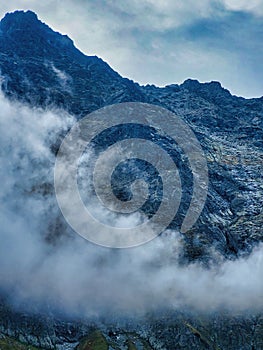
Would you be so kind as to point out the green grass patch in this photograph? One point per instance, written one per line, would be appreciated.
(131, 345)
(94, 341)
(7, 343)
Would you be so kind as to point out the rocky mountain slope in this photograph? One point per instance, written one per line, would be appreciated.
(43, 68)
(230, 131)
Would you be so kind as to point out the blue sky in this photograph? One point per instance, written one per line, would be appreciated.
(165, 41)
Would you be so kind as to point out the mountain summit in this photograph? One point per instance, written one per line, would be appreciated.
(20, 20)
(44, 67)
(24, 32)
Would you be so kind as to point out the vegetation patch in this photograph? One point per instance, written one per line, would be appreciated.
(7, 343)
(94, 341)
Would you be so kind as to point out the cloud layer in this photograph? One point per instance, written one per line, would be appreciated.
(165, 41)
(78, 278)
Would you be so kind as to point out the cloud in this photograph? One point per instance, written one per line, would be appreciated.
(73, 276)
(254, 6)
(163, 42)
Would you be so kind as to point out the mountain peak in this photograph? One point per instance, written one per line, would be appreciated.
(36, 60)
(22, 33)
(18, 20)
(21, 14)
(212, 91)
(195, 84)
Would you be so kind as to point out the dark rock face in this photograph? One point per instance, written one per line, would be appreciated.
(223, 124)
(43, 68)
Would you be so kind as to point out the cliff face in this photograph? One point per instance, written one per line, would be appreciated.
(43, 68)
(230, 131)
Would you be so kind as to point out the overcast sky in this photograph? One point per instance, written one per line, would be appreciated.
(165, 41)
